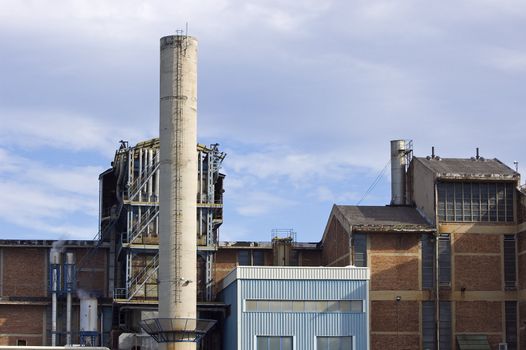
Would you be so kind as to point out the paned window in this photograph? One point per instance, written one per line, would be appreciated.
(444, 259)
(445, 325)
(477, 201)
(511, 324)
(510, 270)
(274, 343)
(330, 306)
(428, 258)
(360, 249)
(428, 325)
(334, 343)
(251, 258)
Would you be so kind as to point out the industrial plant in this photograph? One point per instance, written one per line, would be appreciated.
(440, 267)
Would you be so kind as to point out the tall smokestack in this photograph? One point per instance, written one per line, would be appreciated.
(178, 181)
(398, 163)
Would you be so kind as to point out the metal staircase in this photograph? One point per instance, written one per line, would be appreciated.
(134, 189)
(140, 226)
(139, 283)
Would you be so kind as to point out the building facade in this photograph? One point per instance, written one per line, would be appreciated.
(289, 308)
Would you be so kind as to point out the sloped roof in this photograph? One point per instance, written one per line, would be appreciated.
(385, 218)
(466, 167)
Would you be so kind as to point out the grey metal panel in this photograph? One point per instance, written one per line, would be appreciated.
(303, 326)
(296, 273)
(229, 296)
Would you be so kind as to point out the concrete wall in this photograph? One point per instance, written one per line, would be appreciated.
(422, 189)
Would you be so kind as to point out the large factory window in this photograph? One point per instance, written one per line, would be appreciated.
(333, 343)
(274, 343)
(470, 202)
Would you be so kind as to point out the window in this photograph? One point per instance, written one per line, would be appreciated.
(329, 306)
(360, 249)
(445, 325)
(444, 259)
(21, 342)
(428, 258)
(468, 202)
(510, 277)
(251, 258)
(243, 258)
(511, 324)
(274, 343)
(334, 343)
(428, 325)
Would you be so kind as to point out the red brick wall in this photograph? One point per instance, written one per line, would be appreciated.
(310, 257)
(478, 272)
(91, 270)
(21, 322)
(394, 272)
(24, 272)
(392, 242)
(478, 316)
(336, 250)
(389, 319)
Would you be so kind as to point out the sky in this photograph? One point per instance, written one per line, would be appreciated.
(303, 96)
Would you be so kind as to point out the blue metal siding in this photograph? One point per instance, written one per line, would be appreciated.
(302, 326)
(228, 296)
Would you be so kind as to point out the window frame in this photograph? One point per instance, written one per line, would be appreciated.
(352, 338)
(291, 337)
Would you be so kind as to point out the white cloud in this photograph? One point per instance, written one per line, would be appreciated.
(512, 61)
(45, 197)
(259, 203)
(62, 130)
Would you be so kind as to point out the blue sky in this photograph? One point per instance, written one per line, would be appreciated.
(304, 96)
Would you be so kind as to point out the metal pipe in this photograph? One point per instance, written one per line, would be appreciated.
(70, 261)
(398, 163)
(54, 258)
(178, 172)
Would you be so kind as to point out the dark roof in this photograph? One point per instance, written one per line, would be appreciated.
(384, 217)
(461, 167)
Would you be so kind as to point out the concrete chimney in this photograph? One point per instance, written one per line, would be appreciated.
(178, 181)
(398, 164)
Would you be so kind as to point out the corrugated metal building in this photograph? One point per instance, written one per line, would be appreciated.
(296, 308)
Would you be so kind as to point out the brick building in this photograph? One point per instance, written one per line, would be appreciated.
(25, 301)
(445, 264)
(447, 258)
